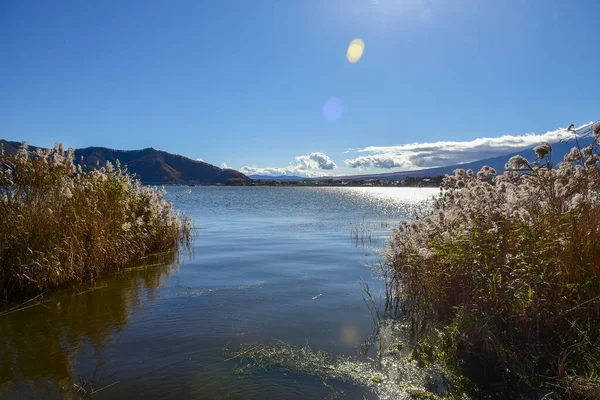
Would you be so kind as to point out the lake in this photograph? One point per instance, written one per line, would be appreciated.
(269, 264)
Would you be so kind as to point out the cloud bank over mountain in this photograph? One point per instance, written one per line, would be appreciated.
(417, 156)
(443, 153)
(309, 165)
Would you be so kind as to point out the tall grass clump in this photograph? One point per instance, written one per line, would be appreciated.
(59, 223)
(503, 276)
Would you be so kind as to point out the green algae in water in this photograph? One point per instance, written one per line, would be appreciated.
(390, 378)
(421, 394)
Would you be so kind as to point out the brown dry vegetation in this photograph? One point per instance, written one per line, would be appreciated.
(60, 224)
(502, 279)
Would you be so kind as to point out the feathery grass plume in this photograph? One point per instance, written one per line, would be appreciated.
(508, 266)
(543, 150)
(517, 163)
(59, 224)
(573, 155)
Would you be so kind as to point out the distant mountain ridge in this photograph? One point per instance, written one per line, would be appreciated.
(156, 166)
(558, 152)
(153, 166)
(279, 178)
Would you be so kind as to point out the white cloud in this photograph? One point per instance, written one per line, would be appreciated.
(309, 165)
(264, 171)
(199, 159)
(275, 171)
(315, 161)
(385, 160)
(224, 166)
(443, 153)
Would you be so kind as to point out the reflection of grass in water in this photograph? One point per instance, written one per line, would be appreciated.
(393, 378)
(42, 339)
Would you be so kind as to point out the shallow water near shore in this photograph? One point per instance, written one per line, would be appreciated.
(269, 264)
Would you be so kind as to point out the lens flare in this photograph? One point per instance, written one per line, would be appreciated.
(355, 50)
(333, 109)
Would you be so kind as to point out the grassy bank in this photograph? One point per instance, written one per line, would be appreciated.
(502, 278)
(60, 224)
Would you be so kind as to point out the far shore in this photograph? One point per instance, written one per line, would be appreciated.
(408, 182)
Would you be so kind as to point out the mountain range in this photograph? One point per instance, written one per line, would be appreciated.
(498, 163)
(280, 178)
(158, 167)
(153, 166)
(558, 152)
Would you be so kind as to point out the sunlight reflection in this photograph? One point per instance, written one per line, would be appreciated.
(355, 50)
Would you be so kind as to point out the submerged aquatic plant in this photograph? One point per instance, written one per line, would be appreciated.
(59, 223)
(508, 267)
(393, 377)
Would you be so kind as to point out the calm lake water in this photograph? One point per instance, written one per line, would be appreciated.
(268, 264)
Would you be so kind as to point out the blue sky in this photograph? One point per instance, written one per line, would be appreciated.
(246, 82)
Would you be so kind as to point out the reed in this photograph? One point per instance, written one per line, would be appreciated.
(504, 274)
(364, 234)
(61, 224)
